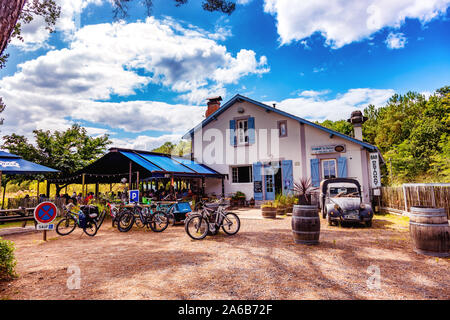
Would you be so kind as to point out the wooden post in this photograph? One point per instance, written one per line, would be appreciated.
(1, 173)
(45, 235)
(96, 190)
(83, 179)
(433, 199)
(37, 191)
(137, 180)
(223, 188)
(129, 177)
(48, 189)
(406, 200)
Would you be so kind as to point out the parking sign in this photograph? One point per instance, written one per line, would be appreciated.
(134, 196)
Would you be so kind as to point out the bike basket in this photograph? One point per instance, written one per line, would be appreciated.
(182, 207)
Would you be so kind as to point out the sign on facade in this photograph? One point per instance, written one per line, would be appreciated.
(375, 176)
(328, 148)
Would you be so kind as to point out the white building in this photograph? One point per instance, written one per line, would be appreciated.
(263, 150)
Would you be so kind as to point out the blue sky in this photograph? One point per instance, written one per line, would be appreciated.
(144, 80)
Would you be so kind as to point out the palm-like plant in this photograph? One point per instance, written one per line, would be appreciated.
(302, 189)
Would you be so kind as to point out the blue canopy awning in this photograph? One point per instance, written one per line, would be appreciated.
(166, 163)
(13, 164)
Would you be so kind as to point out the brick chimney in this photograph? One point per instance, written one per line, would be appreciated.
(357, 119)
(213, 105)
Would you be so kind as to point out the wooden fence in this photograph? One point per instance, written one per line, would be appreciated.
(401, 199)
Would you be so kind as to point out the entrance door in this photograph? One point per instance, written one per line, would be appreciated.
(270, 189)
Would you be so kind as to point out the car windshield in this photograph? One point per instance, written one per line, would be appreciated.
(343, 192)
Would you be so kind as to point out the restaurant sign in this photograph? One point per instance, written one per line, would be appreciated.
(11, 164)
(375, 177)
(328, 148)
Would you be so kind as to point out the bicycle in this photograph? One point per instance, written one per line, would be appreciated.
(209, 220)
(73, 219)
(157, 221)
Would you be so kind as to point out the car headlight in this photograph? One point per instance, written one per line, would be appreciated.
(362, 206)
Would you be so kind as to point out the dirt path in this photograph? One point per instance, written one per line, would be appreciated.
(260, 262)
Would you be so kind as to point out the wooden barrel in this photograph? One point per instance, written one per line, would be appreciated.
(305, 224)
(269, 212)
(430, 231)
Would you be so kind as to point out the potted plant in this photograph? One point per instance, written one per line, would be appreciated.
(302, 189)
(268, 210)
(305, 216)
(290, 202)
(240, 197)
(280, 204)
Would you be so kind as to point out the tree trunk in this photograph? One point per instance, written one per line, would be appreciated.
(9, 14)
(59, 188)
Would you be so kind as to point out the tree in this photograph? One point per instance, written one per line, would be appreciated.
(180, 149)
(341, 126)
(67, 151)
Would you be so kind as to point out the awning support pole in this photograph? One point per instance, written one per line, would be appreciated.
(82, 184)
(129, 177)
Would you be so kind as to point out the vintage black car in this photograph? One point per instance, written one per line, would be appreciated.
(341, 200)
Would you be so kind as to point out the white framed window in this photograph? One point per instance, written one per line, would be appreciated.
(328, 168)
(242, 174)
(242, 131)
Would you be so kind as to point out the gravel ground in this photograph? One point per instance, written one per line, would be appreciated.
(260, 262)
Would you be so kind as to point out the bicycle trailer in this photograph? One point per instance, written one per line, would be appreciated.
(180, 210)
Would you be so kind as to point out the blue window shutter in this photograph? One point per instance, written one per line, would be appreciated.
(257, 180)
(233, 139)
(288, 176)
(342, 167)
(251, 130)
(315, 175)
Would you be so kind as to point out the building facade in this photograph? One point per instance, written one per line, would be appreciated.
(264, 150)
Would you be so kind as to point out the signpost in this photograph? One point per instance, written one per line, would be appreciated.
(134, 196)
(44, 214)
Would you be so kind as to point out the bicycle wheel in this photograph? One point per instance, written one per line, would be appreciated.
(231, 224)
(91, 228)
(125, 222)
(101, 218)
(159, 221)
(66, 226)
(138, 222)
(196, 227)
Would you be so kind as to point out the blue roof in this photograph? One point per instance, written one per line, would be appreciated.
(14, 165)
(197, 167)
(142, 162)
(166, 163)
(160, 164)
(239, 98)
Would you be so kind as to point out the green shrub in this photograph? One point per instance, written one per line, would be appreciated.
(7, 260)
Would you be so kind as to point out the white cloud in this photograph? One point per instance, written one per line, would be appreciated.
(310, 105)
(34, 34)
(395, 40)
(244, 2)
(144, 142)
(72, 84)
(342, 22)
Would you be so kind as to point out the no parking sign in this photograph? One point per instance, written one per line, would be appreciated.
(45, 213)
